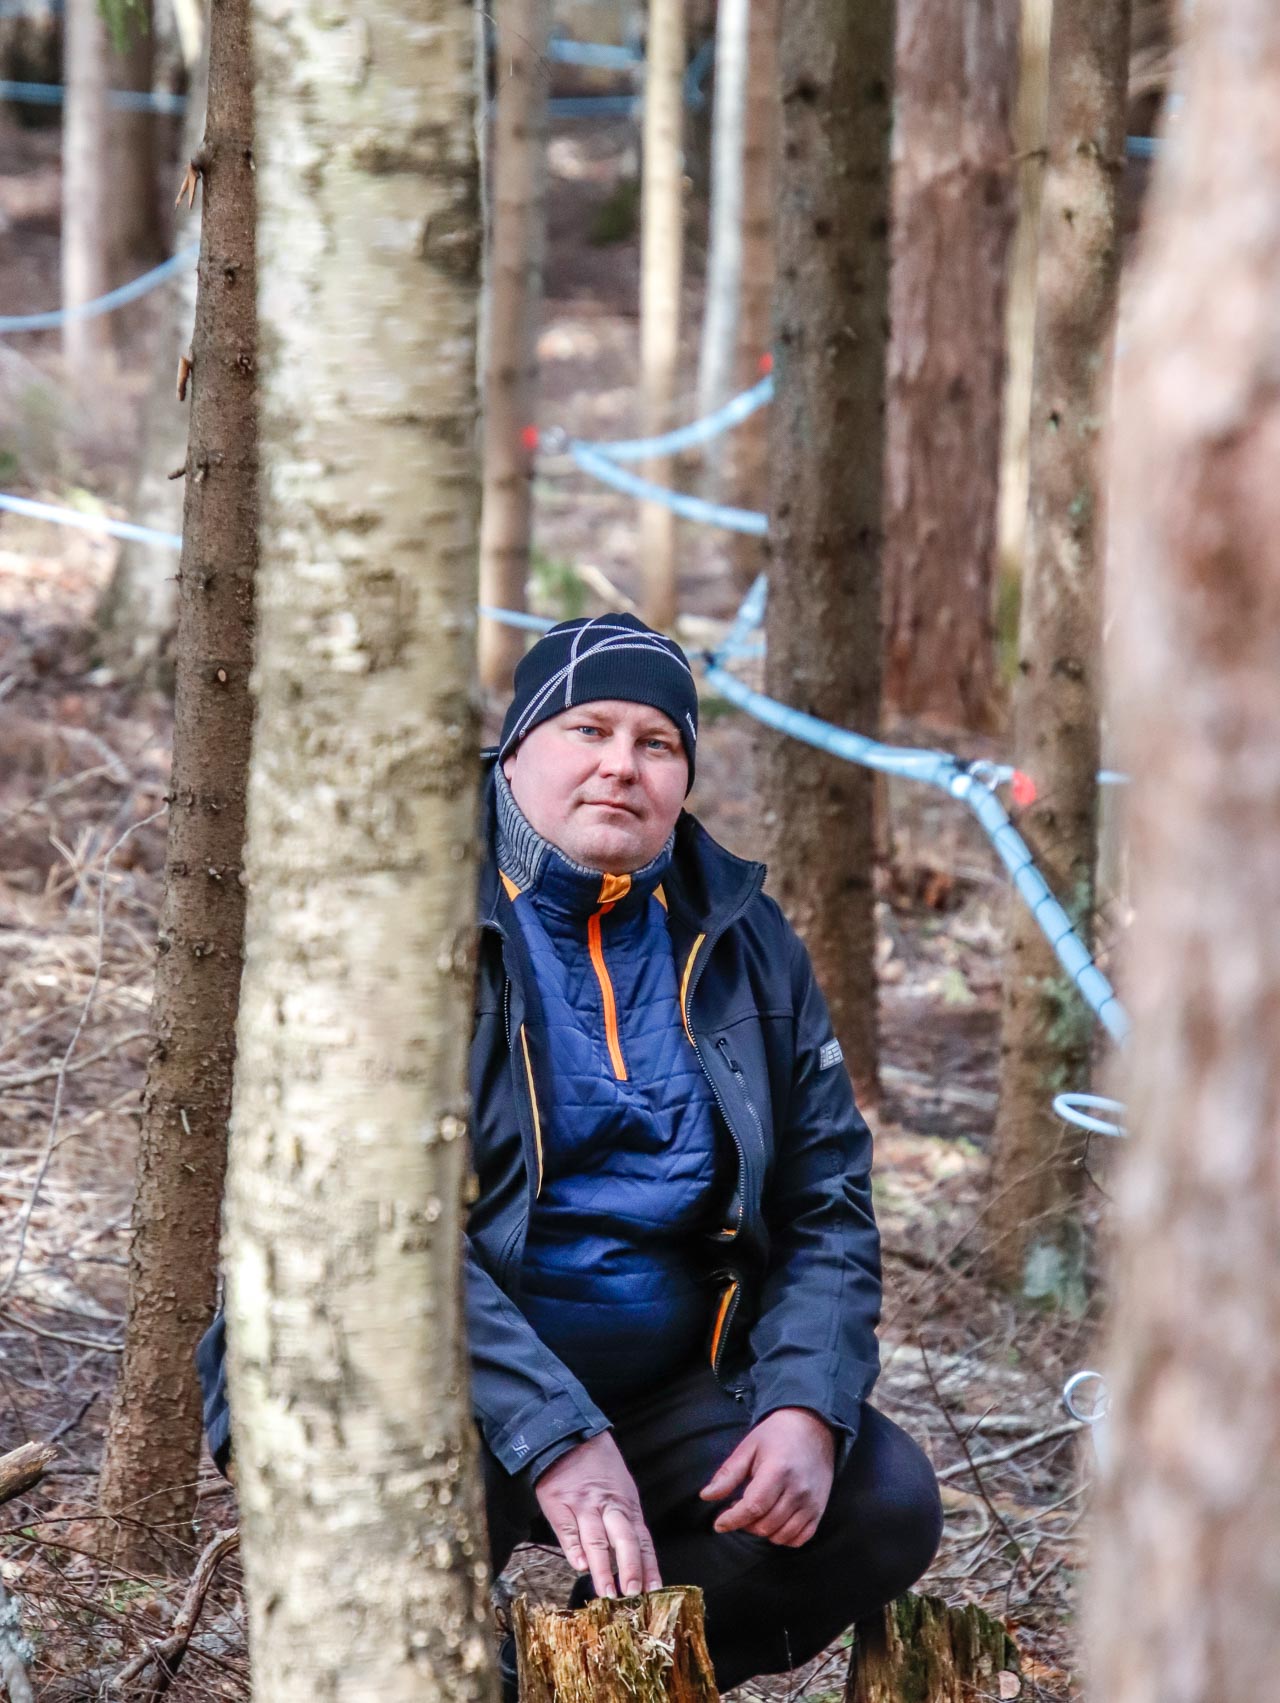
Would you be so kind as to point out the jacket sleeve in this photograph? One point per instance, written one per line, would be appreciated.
(814, 1339)
(528, 1405)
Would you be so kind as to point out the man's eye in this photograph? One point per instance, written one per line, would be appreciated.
(659, 744)
(586, 728)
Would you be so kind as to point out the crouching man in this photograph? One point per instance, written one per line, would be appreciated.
(673, 1270)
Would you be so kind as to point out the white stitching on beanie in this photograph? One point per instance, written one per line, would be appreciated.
(628, 639)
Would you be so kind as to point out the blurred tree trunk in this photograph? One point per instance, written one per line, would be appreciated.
(84, 191)
(135, 230)
(1046, 1028)
(745, 458)
(518, 239)
(362, 1531)
(153, 1440)
(717, 353)
(823, 621)
(952, 221)
(1186, 1588)
(661, 266)
(139, 607)
(1030, 126)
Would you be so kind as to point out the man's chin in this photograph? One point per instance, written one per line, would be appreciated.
(613, 851)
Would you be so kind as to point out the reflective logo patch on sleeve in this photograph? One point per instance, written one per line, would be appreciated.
(830, 1054)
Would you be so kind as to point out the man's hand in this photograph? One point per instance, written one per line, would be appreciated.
(592, 1505)
(787, 1463)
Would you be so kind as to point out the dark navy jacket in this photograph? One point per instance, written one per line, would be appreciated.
(796, 1268)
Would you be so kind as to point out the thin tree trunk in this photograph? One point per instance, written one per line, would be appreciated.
(84, 234)
(827, 445)
(718, 352)
(1046, 1028)
(661, 265)
(139, 607)
(518, 238)
(745, 461)
(1030, 129)
(953, 217)
(135, 231)
(153, 1441)
(362, 1535)
(1186, 1588)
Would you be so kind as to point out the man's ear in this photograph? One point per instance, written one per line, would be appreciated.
(508, 765)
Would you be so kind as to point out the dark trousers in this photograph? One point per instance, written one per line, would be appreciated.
(768, 1609)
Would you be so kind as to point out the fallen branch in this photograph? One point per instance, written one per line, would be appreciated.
(23, 1467)
(973, 1463)
(167, 1654)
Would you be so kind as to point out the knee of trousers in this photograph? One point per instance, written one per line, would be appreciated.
(887, 1522)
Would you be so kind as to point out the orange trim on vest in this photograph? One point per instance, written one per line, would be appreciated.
(533, 1101)
(596, 948)
(513, 892)
(613, 888)
(725, 1301)
(684, 988)
(660, 896)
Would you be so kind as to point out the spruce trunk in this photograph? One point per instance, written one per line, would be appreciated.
(518, 238)
(1186, 1587)
(661, 266)
(827, 443)
(1046, 1027)
(134, 229)
(153, 1441)
(353, 1433)
(952, 221)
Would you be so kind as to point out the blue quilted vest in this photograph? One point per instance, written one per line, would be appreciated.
(634, 1166)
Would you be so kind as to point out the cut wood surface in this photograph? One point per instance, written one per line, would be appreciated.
(615, 1650)
(918, 1650)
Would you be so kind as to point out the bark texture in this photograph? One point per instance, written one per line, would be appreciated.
(917, 1650)
(1046, 1027)
(643, 1649)
(139, 607)
(362, 1533)
(661, 268)
(1186, 1587)
(84, 233)
(153, 1441)
(745, 458)
(827, 446)
(518, 238)
(953, 212)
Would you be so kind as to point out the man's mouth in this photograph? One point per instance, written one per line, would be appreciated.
(612, 804)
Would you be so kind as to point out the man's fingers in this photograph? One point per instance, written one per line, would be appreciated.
(731, 1473)
(595, 1540)
(565, 1527)
(784, 1510)
(621, 1529)
(747, 1512)
(649, 1561)
(796, 1531)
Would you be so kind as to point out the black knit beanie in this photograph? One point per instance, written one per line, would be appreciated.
(608, 656)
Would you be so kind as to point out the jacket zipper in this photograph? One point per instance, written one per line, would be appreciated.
(732, 1062)
(613, 1039)
(724, 1323)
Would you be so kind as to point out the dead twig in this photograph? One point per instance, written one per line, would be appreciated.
(167, 1653)
(24, 1467)
(44, 1072)
(1067, 1429)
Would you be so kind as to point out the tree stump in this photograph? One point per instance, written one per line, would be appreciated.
(615, 1650)
(918, 1650)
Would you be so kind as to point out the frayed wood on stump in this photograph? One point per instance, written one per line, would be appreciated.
(615, 1650)
(917, 1650)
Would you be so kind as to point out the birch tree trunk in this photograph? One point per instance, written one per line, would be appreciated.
(1046, 1028)
(362, 1532)
(518, 239)
(717, 354)
(1186, 1586)
(84, 237)
(823, 623)
(661, 266)
(139, 607)
(153, 1438)
(953, 217)
(745, 461)
(1030, 127)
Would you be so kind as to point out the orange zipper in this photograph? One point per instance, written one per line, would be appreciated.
(684, 990)
(596, 947)
(726, 1303)
(533, 1101)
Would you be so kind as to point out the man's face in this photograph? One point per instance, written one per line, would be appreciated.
(603, 782)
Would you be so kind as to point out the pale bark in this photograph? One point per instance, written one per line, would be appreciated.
(1046, 1028)
(139, 607)
(135, 232)
(827, 444)
(84, 232)
(661, 266)
(1186, 1586)
(745, 460)
(717, 353)
(352, 1426)
(952, 221)
(1030, 127)
(517, 237)
(153, 1439)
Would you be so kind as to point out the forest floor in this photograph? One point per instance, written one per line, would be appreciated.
(83, 772)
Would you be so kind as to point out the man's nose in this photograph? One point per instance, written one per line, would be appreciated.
(618, 758)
